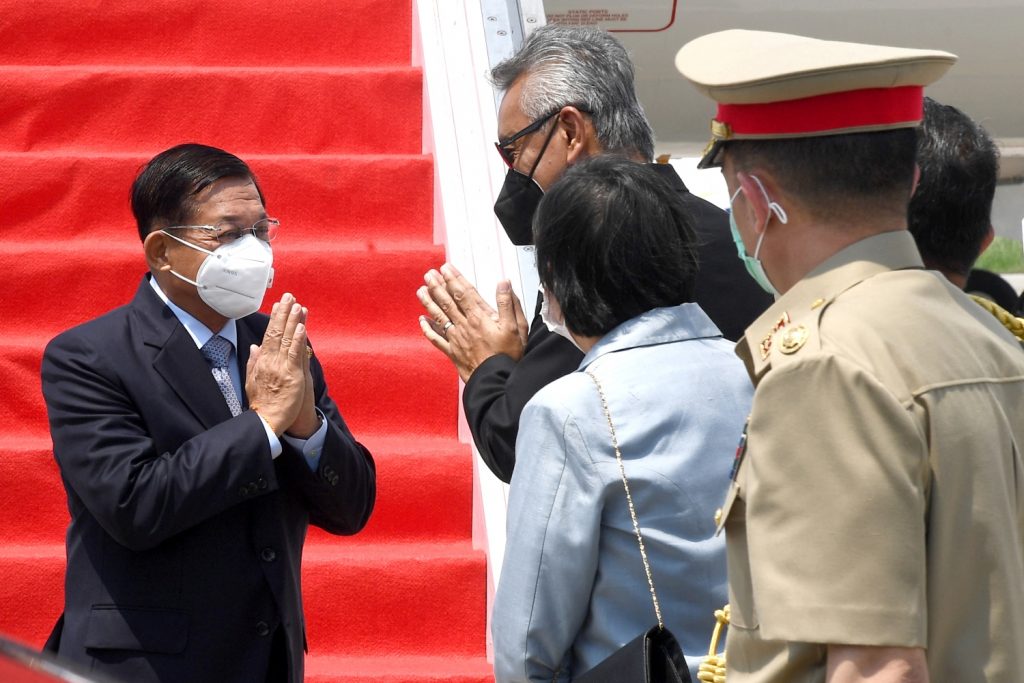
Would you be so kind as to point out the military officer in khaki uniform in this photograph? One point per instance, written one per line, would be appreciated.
(874, 518)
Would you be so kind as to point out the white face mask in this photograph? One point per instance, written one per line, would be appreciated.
(551, 314)
(233, 279)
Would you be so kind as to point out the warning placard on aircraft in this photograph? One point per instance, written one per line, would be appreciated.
(636, 15)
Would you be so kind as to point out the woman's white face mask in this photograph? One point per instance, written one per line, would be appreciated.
(551, 314)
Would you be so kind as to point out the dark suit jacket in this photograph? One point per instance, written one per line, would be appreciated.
(186, 537)
(500, 387)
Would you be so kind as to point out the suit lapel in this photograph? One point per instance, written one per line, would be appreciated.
(183, 367)
(177, 360)
(246, 336)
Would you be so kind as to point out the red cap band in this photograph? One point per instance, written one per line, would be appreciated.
(871, 107)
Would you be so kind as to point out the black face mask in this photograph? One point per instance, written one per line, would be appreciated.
(518, 200)
(516, 203)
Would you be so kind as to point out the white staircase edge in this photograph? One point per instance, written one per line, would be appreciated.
(459, 125)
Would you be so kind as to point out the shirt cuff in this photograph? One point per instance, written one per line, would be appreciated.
(312, 447)
(275, 443)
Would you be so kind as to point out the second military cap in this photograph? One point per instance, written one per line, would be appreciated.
(776, 85)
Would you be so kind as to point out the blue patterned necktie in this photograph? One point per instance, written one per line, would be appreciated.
(217, 351)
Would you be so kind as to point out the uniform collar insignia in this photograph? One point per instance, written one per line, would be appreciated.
(766, 341)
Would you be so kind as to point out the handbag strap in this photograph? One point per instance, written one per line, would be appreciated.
(629, 498)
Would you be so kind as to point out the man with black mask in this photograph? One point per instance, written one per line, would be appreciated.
(568, 94)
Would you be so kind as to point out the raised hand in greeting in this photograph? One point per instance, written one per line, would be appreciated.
(464, 326)
(277, 378)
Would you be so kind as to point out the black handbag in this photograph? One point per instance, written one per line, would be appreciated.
(654, 656)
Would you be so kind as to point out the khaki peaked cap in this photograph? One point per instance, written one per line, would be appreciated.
(777, 85)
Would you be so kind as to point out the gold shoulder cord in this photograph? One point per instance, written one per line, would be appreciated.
(712, 669)
(1014, 324)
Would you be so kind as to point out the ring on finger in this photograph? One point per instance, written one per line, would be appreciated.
(447, 326)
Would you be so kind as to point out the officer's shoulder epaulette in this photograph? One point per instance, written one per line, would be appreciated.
(797, 334)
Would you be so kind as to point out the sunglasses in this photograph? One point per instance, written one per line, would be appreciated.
(505, 148)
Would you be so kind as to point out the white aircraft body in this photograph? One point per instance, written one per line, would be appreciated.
(987, 82)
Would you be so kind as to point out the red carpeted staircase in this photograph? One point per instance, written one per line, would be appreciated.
(320, 98)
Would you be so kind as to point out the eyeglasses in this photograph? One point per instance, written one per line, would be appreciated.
(227, 232)
(505, 148)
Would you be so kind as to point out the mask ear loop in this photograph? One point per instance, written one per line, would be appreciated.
(773, 206)
(547, 141)
(736, 194)
(189, 244)
(193, 246)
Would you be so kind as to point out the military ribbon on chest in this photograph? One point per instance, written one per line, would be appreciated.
(741, 451)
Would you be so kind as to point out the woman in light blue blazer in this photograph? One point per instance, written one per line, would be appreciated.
(615, 250)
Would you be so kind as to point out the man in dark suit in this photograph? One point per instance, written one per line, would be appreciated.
(569, 94)
(950, 214)
(196, 441)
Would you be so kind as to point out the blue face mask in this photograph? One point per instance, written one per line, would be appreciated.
(752, 263)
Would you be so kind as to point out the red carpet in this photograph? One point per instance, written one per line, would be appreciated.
(321, 100)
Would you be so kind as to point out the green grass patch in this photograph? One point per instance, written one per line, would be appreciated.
(1003, 256)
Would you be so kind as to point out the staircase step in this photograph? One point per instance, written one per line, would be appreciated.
(350, 291)
(256, 32)
(33, 507)
(397, 668)
(425, 488)
(383, 385)
(361, 599)
(145, 109)
(376, 201)
(31, 590)
(393, 597)
(402, 384)
(20, 361)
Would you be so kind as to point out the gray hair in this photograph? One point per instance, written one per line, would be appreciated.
(586, 68)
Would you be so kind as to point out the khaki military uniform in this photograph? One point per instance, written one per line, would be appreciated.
(880, 498)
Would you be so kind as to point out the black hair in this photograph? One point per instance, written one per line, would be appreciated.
(164, 191)
(613, 240)
(836, 176)
(951, 211)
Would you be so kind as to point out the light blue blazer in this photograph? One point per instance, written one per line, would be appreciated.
(572, 587)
